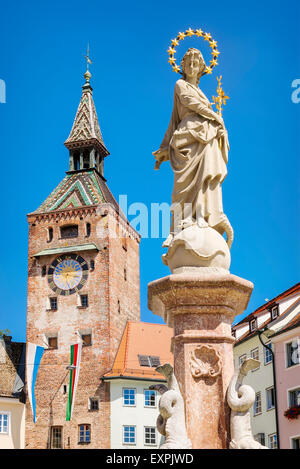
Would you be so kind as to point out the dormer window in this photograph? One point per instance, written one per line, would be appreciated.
(149, 360)
(274, 312)
(69, 231)
(253, 325)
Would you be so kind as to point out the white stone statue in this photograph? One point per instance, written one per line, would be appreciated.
(171, 420)
(240, 399)
(196, 144)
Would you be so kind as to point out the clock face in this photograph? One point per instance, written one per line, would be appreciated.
(67, 274)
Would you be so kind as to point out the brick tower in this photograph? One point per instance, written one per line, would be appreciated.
(83, 285)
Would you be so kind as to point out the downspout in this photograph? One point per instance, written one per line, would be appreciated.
(275, 386)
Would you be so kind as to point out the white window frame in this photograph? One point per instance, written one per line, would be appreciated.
(150, 406)
(276, 307)
(123, 431)
(296, 339)
(293, 438)
(254, 405)
(277, 312)
(288, 394)
(269, 440)
(240, 358)
(269, 389)
(129, 405)
(8, 413)
(84, 441)
(251, 355)
(250, 324)
(150, 444)
(268, 351)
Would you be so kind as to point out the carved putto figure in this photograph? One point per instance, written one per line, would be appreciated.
(171, 420)
(196, 144)
(240, 399)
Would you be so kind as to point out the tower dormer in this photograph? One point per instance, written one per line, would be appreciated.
(85, 142)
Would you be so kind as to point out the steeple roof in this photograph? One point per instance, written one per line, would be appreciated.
(86, 129)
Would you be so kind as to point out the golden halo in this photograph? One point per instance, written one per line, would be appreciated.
(189, 33)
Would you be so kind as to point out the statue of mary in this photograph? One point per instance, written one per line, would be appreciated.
(196, 143)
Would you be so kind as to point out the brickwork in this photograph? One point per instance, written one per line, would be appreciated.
(113, 296)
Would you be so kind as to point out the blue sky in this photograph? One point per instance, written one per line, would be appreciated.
(42, 46)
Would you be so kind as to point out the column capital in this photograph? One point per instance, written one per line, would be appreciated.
(207, 293)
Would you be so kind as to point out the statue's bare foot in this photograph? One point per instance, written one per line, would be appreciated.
(202, 223)
(168, 241)
(186, 223)
(225, 226)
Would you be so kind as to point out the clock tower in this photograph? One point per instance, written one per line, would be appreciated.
(83, 286)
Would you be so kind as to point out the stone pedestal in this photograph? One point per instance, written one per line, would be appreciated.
(201, 307)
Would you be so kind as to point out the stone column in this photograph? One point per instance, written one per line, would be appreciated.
(201, 307)
(71, 162)
(81, 160)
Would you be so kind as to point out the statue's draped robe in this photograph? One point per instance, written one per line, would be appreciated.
(199, 164)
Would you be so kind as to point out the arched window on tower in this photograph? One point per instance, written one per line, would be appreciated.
(69, 231)
(76, 158)
(50, 234)
(86, 159)
(88, 229)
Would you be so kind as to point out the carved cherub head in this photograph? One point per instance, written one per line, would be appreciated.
(187, 64)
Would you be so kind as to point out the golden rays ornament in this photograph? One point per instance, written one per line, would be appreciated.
(221, 98)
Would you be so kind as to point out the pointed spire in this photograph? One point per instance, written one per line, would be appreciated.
(86, 133)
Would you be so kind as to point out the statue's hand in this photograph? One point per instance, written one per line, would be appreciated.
(160, 155)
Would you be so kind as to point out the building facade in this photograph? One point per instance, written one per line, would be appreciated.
(255, 338)
(12, 398)
(83, 286)
(286, 344)
(134, 406)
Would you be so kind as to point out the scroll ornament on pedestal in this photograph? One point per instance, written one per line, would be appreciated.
(240, 399)
(171, 420)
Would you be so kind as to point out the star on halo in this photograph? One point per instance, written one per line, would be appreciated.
(171, 51)
(190, 32)
(199, 32)
(176, 68)
(207, 36)
(181, 36)
(174, 42)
